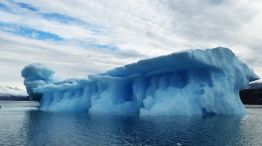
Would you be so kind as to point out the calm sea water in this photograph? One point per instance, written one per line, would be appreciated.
(23, 125)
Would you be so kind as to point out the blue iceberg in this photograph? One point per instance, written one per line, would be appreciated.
(194, 82)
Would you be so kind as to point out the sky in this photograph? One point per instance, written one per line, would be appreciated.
(81, 37)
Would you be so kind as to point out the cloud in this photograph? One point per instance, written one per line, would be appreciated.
(79, 37)
(208, 20)
(210, 23)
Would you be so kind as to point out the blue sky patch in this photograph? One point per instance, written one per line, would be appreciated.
(61, 18)
(4, 7)
(71, 20)
(27, 6)
(29, 32)
(107, 47)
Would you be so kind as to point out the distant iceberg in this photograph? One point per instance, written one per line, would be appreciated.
(194, 82)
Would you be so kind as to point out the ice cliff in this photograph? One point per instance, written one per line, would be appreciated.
(194, 82)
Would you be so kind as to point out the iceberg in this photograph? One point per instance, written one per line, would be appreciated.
(193, 82)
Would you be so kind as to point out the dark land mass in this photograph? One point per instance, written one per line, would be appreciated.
(14, 98)
(251, 96)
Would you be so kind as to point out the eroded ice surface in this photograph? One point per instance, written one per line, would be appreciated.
(195, 82)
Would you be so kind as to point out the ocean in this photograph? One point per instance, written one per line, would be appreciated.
(22, 124)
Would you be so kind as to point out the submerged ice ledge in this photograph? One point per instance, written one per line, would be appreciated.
(195, 82)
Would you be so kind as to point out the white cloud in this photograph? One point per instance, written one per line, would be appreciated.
(138, 28)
